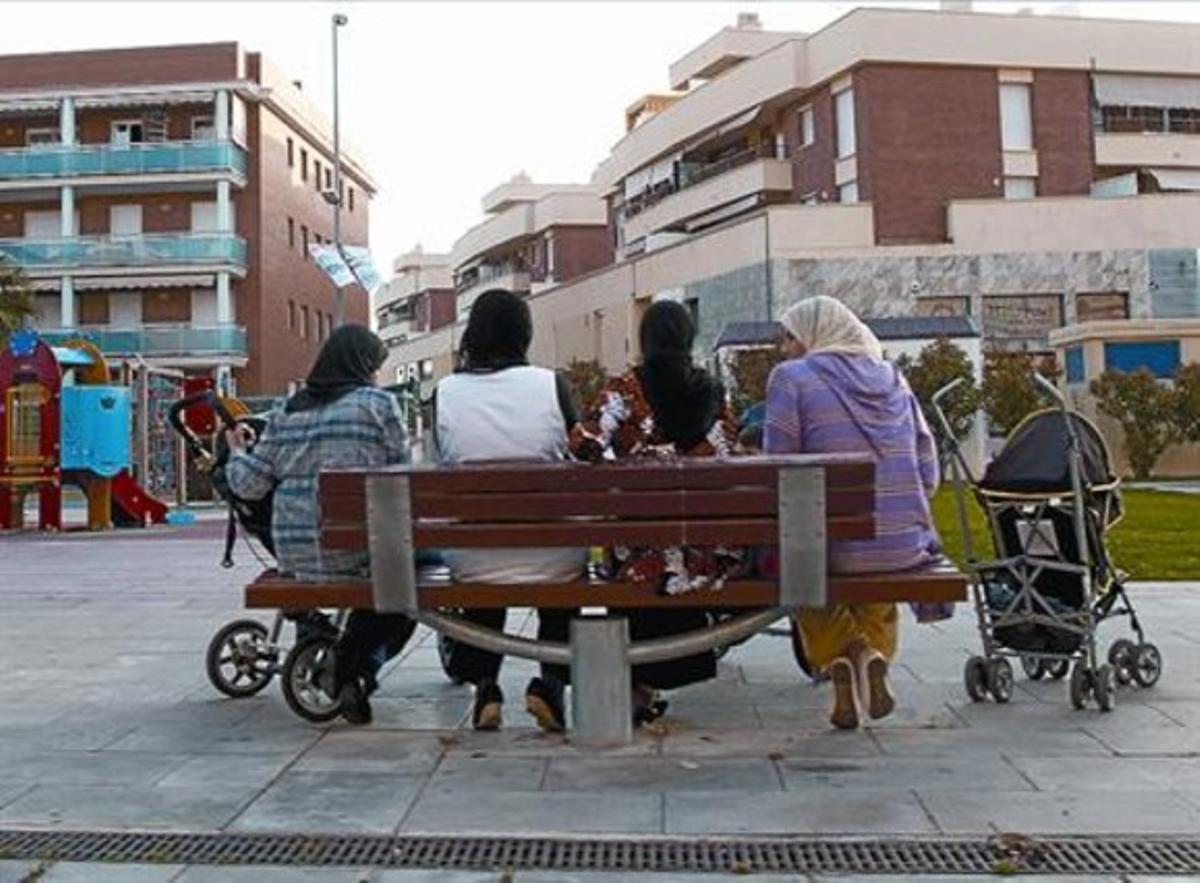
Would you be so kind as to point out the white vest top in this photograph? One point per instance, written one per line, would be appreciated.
(512, 414)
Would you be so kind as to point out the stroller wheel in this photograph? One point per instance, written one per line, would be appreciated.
(1104, 687)
(1121, 658)
(239, 660)
(1033, 667)
(1147, 665)
(975, 678)
(307, 677)
(1000, 679)
(1058, 669)
(1081, 685)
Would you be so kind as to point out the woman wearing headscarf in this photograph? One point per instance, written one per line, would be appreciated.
(339, 419)
(665, 408)
(497, 406)
(836, 393)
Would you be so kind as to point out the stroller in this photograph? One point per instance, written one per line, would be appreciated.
(244, 655)
(1049, 497)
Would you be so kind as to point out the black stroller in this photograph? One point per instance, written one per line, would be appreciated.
(1050, 497)
(245, 655)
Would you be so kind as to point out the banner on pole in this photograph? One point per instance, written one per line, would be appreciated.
(352, 264)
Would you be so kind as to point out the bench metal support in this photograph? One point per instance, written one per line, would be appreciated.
(390, 541)
(601, 700)
(802, 537)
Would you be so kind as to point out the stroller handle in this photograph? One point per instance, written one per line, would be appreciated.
(205, 397)
(1050, 389)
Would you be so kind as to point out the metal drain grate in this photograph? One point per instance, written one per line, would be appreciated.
(794, 855)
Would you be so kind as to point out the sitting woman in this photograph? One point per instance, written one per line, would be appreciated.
(497, 406)
(339, 418)
(664, 409)
(838, 394)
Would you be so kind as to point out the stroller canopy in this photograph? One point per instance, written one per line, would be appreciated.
(1036, 457)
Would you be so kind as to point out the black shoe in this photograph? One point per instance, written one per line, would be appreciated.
(544, 700)
(486, 714)
(353, 703)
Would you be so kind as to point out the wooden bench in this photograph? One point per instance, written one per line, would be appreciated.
(795, 504)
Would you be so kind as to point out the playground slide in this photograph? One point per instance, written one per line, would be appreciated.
(132, 504)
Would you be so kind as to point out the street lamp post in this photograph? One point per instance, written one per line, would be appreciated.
(339, 307)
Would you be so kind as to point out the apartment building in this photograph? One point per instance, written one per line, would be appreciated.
(162, 201)
(534, 236)
(418, 299)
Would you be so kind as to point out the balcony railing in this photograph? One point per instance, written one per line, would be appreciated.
(691, 174)
(163, 249)
(162, 157)
(172, 340)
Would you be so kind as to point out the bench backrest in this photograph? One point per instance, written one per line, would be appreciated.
(795, 503)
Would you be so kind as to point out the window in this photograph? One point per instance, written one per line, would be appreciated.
(351, 199)
(303, 164)
(1159, 357)
(1020, 188)
(316, 176)
(1076, 372)
(1016, 120)
(292, 316)
(808, 130)
(1183, 120)
(426, 369)
(42, 135)
(203, 129)
(167, 306)
(126, 132)
(291, 232)
(1134, 119)
(125, 220)
(328, 178)
(304, 240)
(93, 308)
(304, 322)
(320, 326)
(843, 106)
(848, 192)
(291, 149)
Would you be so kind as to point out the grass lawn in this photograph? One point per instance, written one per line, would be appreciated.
(1159, 539)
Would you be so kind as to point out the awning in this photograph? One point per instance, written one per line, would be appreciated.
(1176, 179)
(127, 283)
(1133, 90)
(730, 125)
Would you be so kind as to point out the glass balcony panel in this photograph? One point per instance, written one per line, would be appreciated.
(62, 161)
(126, 251)
(181, 340)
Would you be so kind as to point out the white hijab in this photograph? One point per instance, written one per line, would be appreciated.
(825, 324)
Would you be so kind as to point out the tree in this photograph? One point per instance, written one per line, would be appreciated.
(1010, 392)
(749, 371)
(940, 363)
(16, 298)
(587, 377)
(1187, 402)
(1146, 411)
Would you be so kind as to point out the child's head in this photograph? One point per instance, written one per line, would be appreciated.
(751, 437)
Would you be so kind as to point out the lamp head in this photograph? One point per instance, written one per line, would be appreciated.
(339, 19)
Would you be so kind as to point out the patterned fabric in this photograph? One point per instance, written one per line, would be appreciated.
(362, 428)
(830, 402)
(621, 426)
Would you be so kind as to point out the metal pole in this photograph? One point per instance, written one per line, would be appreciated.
(339, 307)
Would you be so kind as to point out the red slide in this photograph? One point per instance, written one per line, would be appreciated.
(132, 505)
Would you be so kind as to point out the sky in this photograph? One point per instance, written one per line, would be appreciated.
(446, 100)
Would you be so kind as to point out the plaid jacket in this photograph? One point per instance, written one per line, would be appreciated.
(363, 428)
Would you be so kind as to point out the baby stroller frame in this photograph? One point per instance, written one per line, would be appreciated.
(245, 655)
(1018, 598)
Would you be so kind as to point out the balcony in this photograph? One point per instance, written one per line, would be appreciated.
(42, 257)
(183, 341)
(710, 187)
(101, 160)
(1150, 149)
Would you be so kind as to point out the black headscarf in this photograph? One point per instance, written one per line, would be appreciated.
(347, 361)
(685, 400)
(498, 333)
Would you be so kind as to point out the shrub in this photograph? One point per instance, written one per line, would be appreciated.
(587, 377)
(16, 299)
(1010, 392)
(1187, 402)
(749, 371)
(1146, 411)
(940, 363)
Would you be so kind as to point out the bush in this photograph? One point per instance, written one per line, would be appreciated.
(1010, 393)
(1187, 402)
(1146, 410)
(587, 378)
(940, 363)
(749, 370)
(16, 299)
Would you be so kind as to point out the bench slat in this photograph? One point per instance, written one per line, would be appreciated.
(570, 534)
(941, 583)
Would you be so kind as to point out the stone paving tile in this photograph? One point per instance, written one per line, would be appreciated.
(10, 791)
(1164, 741)
(176, 809)
(950, 772)
(1111, 773)
(88, 767)
(86, 872)
(331, 801)
(813, 811)
(666, 774)
(1062, 812)
(421, 714)
(532, 742)
(210, 739)
(454, 812)
(1013, 742)
(466, 772)
(769, 743)
(364, 750)
(261, 874)
(246, 770)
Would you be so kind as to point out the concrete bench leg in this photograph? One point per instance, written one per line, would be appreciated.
(600, 681)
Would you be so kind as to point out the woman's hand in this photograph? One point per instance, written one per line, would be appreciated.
(239, 438)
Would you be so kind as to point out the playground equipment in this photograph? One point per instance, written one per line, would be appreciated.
(62, 422)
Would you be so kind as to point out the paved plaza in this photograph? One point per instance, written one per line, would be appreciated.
(107, 722)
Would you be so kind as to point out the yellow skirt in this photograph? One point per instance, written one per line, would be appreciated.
(829, 632)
